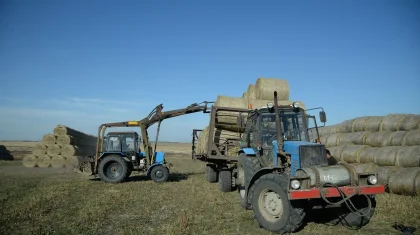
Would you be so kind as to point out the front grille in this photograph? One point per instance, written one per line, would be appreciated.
(311, 155)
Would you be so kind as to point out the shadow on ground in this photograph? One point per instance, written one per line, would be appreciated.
(173, 177)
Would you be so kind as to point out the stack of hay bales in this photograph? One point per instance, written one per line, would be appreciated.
(5, 153)
(256, 96)
(64, 148)
(388, 145)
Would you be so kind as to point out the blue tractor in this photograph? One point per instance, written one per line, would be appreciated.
(118, 154)
(282, 175)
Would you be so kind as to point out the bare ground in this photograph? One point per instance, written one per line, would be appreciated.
(50, 201)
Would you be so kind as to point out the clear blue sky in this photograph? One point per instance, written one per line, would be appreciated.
(83, 63)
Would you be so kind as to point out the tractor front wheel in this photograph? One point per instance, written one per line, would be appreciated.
(113, 169)
(159, 173)
(271, 206)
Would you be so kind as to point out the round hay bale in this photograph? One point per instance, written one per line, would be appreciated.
(408, 156)
(29, 160)
(72, 162)
(323, 139)
(378, 139)
(226, 117)
(346, 126)
(72, 150)
(44, 161)
(358, 138)
(53, 150)
(391, 122)
(265, 87)
(386, 156)
(58, 162)
(395, 138)
(332, 140)
(49, 139)
(65, 130)
(383, 174)
(359, 124)
(65, 140)
(39, 149)
(351, 153)
(410, 123)
(411, 138)
(363, 168)
(403, 181)
(250, 93)
(336, 151)
(202, 141)
(367, 155)
(373, 124)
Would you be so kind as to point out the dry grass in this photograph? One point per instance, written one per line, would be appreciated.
(49, 201)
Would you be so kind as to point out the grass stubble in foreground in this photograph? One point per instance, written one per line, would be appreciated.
(48, 201)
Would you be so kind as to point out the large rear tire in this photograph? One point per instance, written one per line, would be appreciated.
(113, 169)
(247, 167)
(272, 208)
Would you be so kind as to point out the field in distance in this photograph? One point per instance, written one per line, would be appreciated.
(49, 201)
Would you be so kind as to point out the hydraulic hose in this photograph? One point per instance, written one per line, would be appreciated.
(346, 200)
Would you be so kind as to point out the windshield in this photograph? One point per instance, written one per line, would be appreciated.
(292, 124)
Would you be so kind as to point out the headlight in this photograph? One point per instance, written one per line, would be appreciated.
(270, 105)
(295, 184)
(372, 179)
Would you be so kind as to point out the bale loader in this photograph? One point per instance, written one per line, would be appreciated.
(119, 153)
(282, 175)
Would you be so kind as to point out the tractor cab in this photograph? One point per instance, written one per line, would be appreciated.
(261, 134)
(123, 142)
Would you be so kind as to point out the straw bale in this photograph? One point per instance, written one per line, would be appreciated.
(337, 151)
(359, 124)
(379, 138)
(357, 138)
(346, 126)
(49, 139)
(65, 130)
(367, 155)
(412, 138)
(44, 161)
(265, 87)
(29, 160)
(39, 149)
(408, 156)
(72, 162)
(386, 156)
(373, 124)
(226, 117)
(384, 172)
(391, 122)
(250, 93)
(53, 150)
(58, 161)
(351, 153)
(333, 139)
(404, 180)
(410, 122)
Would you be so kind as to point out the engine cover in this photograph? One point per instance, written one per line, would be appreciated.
(338, 175)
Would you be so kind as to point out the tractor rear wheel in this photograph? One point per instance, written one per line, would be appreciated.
(272, 208)
(247, 167)
(159, 174)
(225, 180)
(211, 173)
(113, 169)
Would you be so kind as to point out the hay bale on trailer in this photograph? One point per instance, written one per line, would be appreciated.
(386, 156)
(410, 122)
(226, 117)
(351, 153)
(411, 138)
(358, 138)
(408, 156)
(265, 87)
(373, 124)
(392, 122)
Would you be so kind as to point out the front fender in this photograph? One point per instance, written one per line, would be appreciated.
(257, 175)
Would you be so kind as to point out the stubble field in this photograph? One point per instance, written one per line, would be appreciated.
(51, 201)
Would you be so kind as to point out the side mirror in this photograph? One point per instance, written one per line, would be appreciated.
(323, 116)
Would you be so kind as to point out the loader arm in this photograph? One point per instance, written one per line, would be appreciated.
(155, 116)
